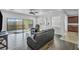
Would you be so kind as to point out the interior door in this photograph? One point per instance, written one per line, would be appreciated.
(73, 24)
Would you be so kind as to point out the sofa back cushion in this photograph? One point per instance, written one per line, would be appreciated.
(44, 36)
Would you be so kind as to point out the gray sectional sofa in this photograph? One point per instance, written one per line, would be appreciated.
(40, 39)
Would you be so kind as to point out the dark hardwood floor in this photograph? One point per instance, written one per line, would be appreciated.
(59, 44)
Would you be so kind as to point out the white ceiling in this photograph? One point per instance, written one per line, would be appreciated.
(68, 12)
(71, 12)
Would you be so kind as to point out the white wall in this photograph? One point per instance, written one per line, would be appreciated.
(56, 20)
(9, 14)
(41, 20)
(60, 21)
(59, 24)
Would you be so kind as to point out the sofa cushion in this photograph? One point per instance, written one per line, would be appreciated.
(41, 39)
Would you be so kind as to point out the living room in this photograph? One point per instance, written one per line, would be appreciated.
(20, 23)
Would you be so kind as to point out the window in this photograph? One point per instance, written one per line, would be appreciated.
(14, 24)
(28, 23)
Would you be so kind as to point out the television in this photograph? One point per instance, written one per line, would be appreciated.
(1, 18)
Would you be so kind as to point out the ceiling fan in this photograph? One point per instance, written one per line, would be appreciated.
(33, 11)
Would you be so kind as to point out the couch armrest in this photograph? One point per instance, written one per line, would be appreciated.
(31, 39)
(31, 42)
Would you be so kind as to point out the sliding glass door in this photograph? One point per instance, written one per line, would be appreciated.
(11, 24)
(14, 24)
(17, 37)
(15, 29)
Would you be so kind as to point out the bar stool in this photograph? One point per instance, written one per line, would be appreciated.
(3, 41)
